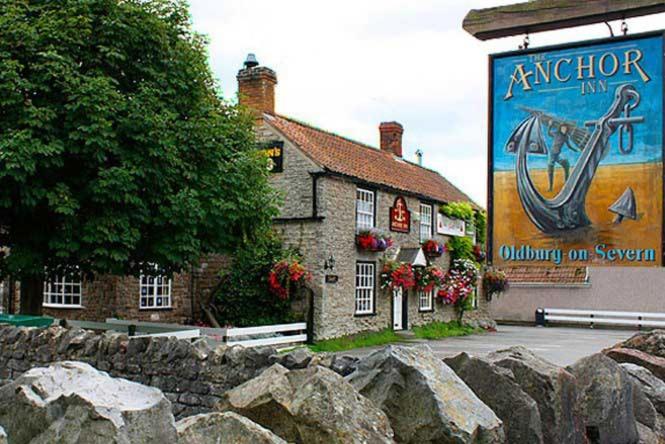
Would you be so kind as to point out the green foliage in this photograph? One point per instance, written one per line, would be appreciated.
(368, 339)
(115, 149)
(461, 248)
(458, 210)
(438, 330)
(480, 221)
(243, 298)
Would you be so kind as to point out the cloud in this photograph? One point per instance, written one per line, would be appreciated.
(347, 65)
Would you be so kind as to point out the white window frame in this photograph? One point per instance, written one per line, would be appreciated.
(426, 300)
(365, 288)
(150, 286)
(426, 215)
(59, 288)
(365, 209)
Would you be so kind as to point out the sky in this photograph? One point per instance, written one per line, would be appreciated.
(348, 65)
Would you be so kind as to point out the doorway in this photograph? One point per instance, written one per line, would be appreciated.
(400, 309)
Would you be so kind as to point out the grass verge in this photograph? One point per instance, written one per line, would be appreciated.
(438, 330)
(359, 340)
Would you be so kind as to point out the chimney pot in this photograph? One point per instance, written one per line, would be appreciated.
(251, 61)
(391, 137)
(256, 87)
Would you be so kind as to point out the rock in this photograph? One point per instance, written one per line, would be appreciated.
(648, 400)
(650, 342)
(648, 436)
(312, 405)
(653, 388)
(296, 359)
(68, 400)
(344, 365)
(497, 388)
(553, 388)
(654, 364)
(424, 399)
(227, 427)
(606, 399)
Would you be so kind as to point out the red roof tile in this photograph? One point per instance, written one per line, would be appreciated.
(546, 275)
(344, 156)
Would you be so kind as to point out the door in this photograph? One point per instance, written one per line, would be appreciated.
(397, 309)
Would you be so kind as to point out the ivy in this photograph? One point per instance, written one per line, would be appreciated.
(458, 210)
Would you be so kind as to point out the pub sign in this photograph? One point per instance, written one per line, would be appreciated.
(576, 153)
(400, 216)
(274, 150)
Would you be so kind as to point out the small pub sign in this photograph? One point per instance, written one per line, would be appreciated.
(400, 216)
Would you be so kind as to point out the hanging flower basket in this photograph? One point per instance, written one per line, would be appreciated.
(458, 283)
(495, 282)
(432, 248)
(479, 253)
(373, 240)
(287, 275)
(396, 275)
(428, 277)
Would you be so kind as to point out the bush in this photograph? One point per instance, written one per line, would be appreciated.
(461, 248)
(458, 210)
(244, 298)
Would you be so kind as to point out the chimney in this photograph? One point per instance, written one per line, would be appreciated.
(419, 157)
(391, 137)
(256, 87)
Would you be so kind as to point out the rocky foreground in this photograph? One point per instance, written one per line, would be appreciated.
(396, 394)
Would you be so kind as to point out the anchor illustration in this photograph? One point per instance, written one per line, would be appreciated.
(566, 211)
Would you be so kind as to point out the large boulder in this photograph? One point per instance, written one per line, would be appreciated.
(496, 387)
(648, 402)
(655, 364)
(424, 399)
(650, 342)
(312, 405)
(71, 402)
(553, 388)
(227, 427)
(606, 399)
(653, 388)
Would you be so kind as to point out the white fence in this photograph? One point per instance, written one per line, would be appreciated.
(593, 317)
(280, 334)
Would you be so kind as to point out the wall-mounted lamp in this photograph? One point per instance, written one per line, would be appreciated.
(329, 264)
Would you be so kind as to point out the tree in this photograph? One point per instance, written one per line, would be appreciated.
(116, 150)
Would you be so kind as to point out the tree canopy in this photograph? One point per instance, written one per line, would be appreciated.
(116, 149)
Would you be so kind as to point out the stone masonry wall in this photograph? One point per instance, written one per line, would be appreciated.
(192, 375)
(295, 182)
(337, 205)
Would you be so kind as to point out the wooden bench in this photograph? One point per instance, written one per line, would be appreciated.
(602, 317)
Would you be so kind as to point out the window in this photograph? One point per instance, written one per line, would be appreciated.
(155, 291)
(365, 288)
(425, 300)
(364, 209)
(63, 292)
(425, 222)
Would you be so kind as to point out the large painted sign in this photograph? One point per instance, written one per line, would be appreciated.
(576, 154)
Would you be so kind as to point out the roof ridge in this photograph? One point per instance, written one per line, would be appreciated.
(331, 133)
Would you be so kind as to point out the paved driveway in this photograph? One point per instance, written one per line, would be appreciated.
(559, 345)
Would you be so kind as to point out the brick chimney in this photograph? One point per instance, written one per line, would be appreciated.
(391, 137)
(256, 87)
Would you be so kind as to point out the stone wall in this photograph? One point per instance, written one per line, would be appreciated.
(192, 375)
(295, 183)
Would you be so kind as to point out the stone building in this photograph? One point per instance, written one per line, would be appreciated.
(334, 187)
